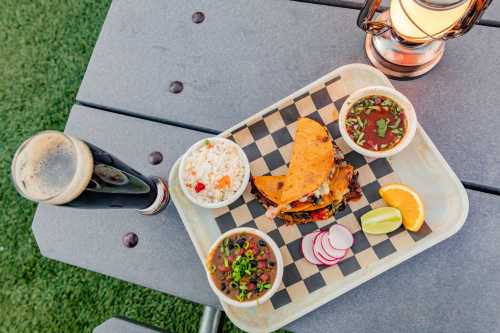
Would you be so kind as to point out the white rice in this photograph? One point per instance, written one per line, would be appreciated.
(208, 164)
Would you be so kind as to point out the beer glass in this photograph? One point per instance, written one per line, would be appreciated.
(55, 168)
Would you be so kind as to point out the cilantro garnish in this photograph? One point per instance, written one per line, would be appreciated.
(381, 127)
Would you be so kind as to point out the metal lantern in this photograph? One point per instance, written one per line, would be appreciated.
(407, 40)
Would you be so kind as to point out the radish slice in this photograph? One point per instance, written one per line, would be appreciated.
(341, 238)
(330, 262)
(318, 250)
(307, 248)
(319, 253)
(330, 250)
(318, 247)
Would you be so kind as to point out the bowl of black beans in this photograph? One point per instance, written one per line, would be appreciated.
(244, 267)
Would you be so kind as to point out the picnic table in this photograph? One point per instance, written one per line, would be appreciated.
(244, 56)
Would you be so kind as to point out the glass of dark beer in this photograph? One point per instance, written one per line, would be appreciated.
(55, 168)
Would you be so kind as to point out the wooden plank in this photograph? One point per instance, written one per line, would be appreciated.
(248, 54)
(164, 258)
(452, 287)
(449, 279)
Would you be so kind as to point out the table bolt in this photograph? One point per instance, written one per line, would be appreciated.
(155, 158)
(130, 239)
(198, 17)
(176, 87)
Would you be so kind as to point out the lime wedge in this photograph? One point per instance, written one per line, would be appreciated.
(381, 220)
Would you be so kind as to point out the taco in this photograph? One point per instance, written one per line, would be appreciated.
(270, 188)
(342, 186)
(311, 163)
(317, 184)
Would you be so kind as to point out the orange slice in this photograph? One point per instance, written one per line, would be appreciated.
(407, 201)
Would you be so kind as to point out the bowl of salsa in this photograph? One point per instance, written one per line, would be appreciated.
(244, 267)
(377, 121)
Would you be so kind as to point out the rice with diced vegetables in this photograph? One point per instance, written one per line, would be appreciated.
(214, 171)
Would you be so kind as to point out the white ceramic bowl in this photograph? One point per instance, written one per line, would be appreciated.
(237, 194)
(279, 266)
(386, 92)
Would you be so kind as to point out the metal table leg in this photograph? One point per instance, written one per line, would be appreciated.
(210, 320)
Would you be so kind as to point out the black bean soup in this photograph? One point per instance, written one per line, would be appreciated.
(243, 266)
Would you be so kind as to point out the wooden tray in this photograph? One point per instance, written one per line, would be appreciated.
(266, 138)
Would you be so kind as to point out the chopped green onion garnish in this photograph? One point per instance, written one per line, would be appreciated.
(360, 138)
(360, 123)
(386, 102)
(226, 262)
(358, 109)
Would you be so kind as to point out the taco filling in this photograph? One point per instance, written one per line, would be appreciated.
(342, 187)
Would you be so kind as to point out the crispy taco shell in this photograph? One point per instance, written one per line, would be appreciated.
(311, 162)
(270, 187)
(306, 216)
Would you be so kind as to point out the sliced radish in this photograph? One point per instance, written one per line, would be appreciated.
(318, 250)
(334, 262)
(330, 250)
(330, 262)
(307, 248)
(317, 245)
(340, 237)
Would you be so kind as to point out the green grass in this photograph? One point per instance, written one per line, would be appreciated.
(45, 46)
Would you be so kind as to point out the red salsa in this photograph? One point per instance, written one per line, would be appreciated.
(243, 266)
(376, 123)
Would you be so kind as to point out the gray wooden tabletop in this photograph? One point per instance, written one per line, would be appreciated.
(245, 56)
(493, 12)
(92, 238)
(458, 278)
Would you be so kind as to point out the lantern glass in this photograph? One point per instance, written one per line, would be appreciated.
(419, 21)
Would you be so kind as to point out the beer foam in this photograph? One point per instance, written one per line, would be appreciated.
(52, 168)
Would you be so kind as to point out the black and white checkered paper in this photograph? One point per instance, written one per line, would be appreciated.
(267, 141)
